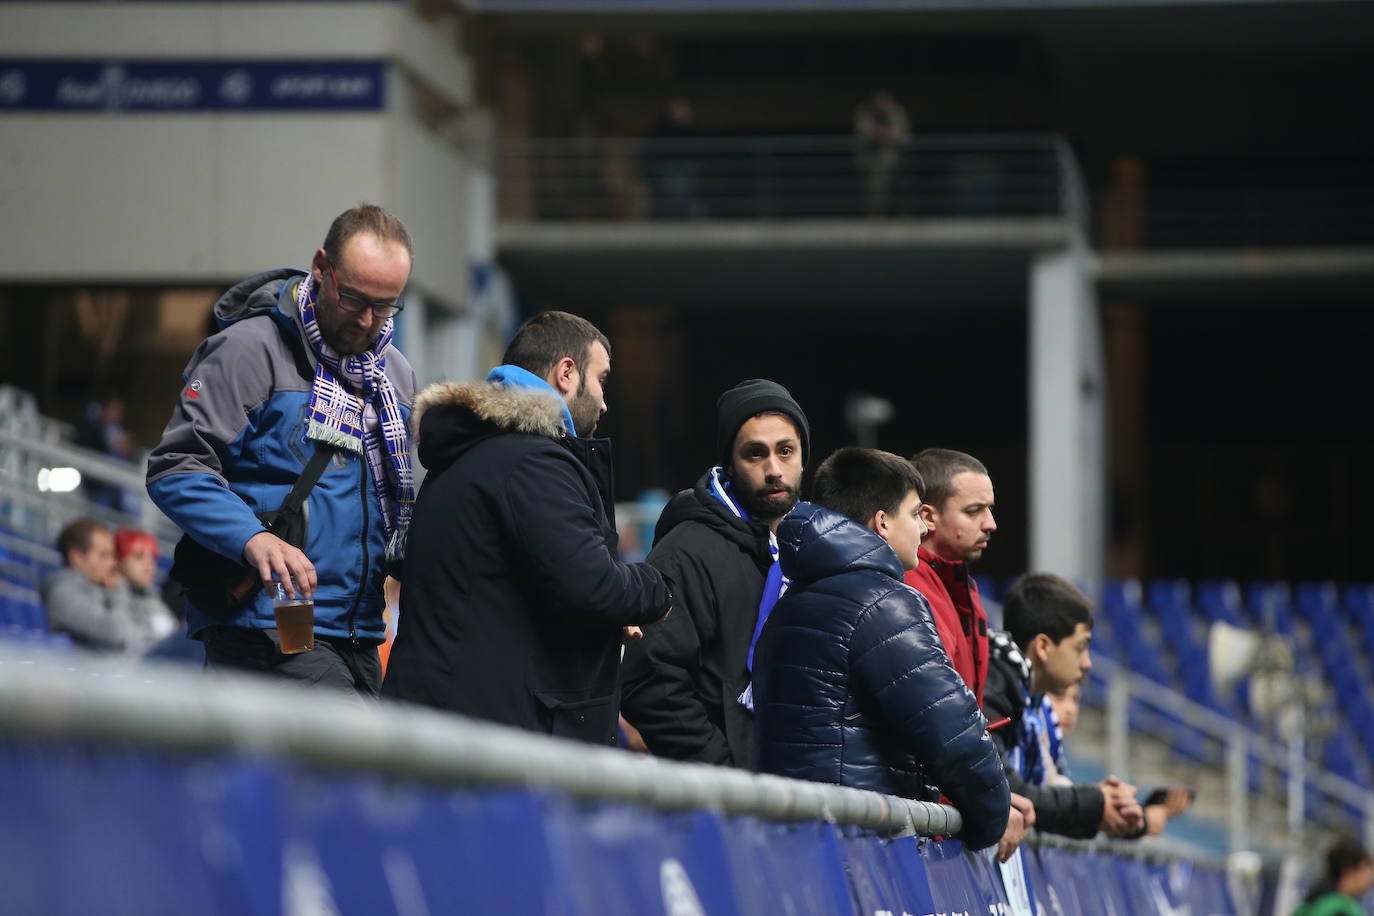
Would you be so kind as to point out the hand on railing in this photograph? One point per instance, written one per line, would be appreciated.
(1121, 812)
(1019, 823)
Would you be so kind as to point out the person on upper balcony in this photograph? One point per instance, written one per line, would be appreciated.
(882, 131)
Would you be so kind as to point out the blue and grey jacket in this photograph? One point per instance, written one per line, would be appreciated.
(236, 444)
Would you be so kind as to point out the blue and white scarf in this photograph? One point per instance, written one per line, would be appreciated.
(1052, 742)
(1038, 752)
(774, 584)
(353, 407)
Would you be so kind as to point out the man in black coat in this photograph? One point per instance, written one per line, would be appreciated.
(514, 600)
(687, 682)
(1049, 629)
(852, 685)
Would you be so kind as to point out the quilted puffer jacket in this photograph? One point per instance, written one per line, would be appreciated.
(852, 686)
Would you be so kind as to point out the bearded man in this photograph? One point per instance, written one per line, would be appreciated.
(515, 600)
(687, 683)
(303, 361)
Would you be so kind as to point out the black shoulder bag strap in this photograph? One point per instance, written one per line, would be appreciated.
(306, 482)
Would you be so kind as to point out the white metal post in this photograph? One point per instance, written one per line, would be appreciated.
(1118, 709)
(1237, 798)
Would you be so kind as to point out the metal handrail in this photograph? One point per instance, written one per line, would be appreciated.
(93, 466)
(1147, 848)
(767, 177)
(172, 708)
(1124, 686)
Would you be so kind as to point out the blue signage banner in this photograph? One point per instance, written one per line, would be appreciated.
(91, 828)
(174, 86)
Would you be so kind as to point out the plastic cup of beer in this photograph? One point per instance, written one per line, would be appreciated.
(295, 620)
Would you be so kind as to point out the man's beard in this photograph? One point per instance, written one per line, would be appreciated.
(339, 346)
(586, 413)
(767, 508)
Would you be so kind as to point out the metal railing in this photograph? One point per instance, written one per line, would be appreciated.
(1268, 216)
(1238, 748)
(30, 442)
(1233, 749)
(170, 707)
(815, 177)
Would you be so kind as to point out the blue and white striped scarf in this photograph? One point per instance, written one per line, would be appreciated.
(368, 422)
(1038, 752)
(774, 584)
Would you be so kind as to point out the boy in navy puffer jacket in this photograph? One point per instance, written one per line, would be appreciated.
(851, 684)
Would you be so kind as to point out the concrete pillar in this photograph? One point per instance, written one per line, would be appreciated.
(1125, 331)
(1067, 452)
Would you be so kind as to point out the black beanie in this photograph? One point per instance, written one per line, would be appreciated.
(751, 397)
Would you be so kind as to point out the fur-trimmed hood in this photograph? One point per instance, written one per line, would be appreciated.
(451, 417)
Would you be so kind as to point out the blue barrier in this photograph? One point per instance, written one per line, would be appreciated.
(98, 826)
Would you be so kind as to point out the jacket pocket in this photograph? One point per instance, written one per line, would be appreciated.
(583, 720)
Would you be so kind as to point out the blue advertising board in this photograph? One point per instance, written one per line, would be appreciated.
(178, 86)
(90, 828)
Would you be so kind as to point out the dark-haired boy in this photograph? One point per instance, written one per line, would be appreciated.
(1349, 876)
(851, 685)
(1045, 648)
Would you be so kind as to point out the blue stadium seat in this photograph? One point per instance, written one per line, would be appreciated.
(1104, 641)
(1254, 772)
(1342, 757)
(1271, 607)
(1122, 606)
(1359, 610)
(1220, 601)
(1316, 598)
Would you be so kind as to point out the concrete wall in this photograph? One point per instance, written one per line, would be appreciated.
(118, 196)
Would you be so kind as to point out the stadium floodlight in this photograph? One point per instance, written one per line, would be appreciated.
(58, 480)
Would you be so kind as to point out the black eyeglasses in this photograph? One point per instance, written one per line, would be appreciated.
(356, 305)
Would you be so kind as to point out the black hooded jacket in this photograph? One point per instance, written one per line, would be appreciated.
(681, 682)
(852, 684)
(514, 596)
(1070, 810)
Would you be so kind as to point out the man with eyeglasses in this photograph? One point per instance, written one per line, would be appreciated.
(303, 360)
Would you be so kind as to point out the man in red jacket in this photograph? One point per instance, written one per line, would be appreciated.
(958, 515)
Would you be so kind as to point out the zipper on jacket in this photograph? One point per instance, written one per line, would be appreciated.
(362, 537)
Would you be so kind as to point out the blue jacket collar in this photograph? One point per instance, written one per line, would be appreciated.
(514, 376)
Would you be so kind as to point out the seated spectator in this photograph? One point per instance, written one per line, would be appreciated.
(151, 620)
(84, 599)
(1059, 710)
(1045, 648)
(1349, 876)
(851, 685)
(101, 429)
